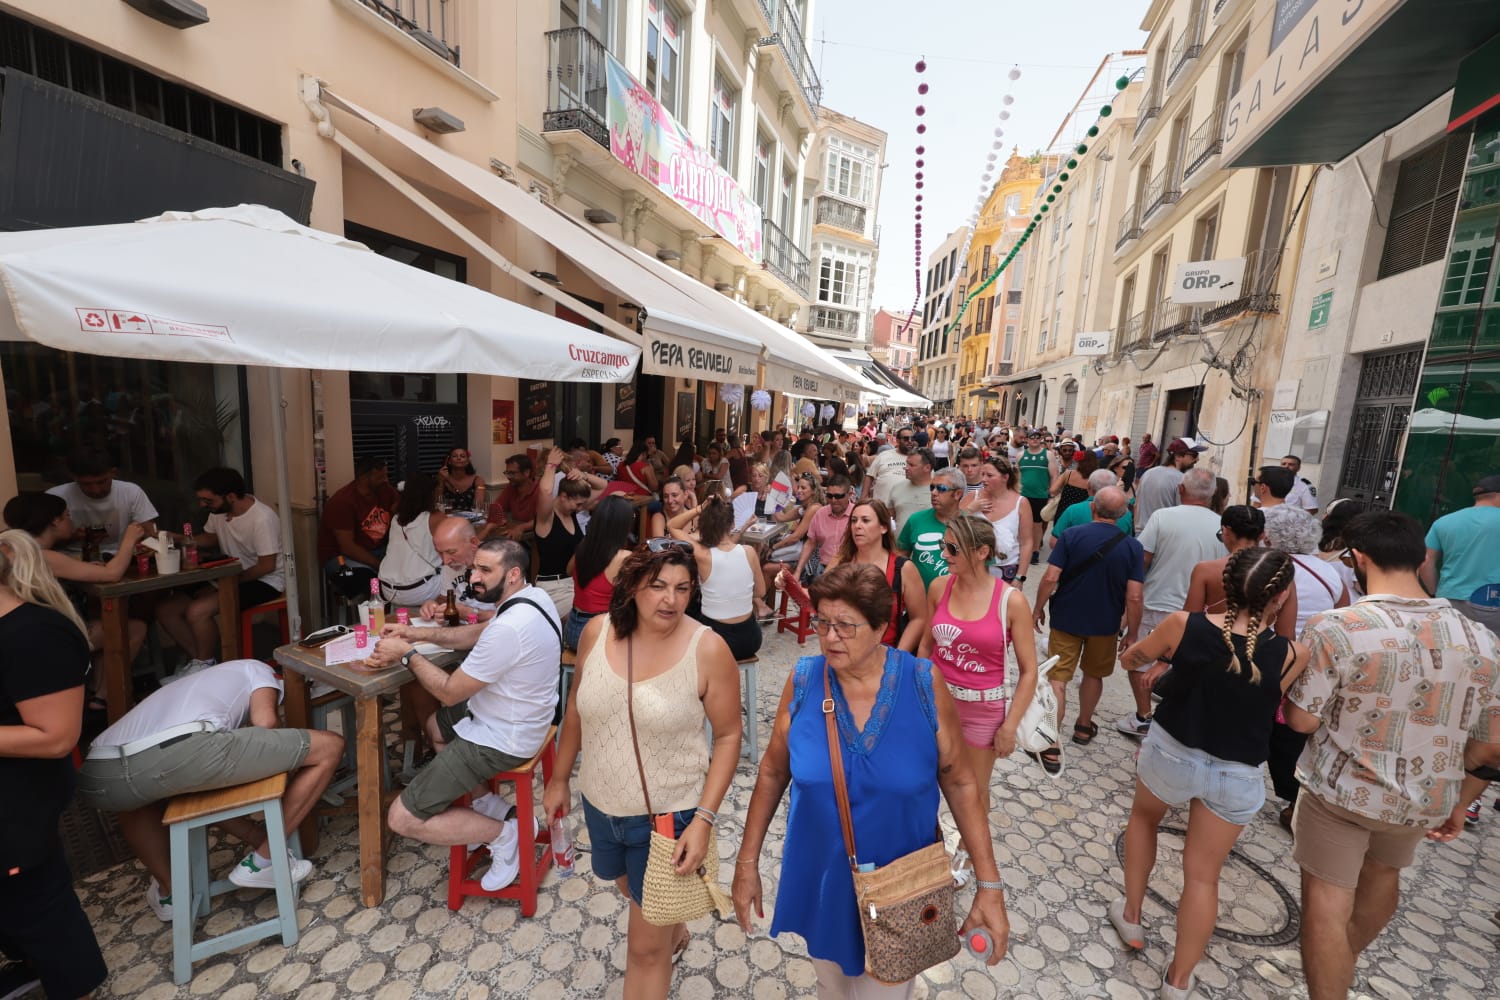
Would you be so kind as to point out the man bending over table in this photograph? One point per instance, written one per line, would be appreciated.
(495, 713)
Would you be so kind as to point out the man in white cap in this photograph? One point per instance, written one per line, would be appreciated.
(1157, 488)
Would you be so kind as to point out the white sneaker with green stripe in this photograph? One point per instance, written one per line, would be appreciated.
(250, 874)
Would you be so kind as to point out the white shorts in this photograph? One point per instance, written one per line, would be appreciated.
(1150, 621)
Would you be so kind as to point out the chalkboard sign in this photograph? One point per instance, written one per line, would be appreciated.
(686, 404)
(536, 410)
(625, 406)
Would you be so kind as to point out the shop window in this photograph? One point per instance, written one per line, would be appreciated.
(664, 54)
(721, 121)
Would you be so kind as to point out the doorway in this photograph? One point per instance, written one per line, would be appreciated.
(1182, 413)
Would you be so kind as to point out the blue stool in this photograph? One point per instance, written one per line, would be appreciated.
(188, 818)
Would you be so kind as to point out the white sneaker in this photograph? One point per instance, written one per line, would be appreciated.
(1132, 725)
(160, 905)
(505, 858)
(494, 807)
(1170, 992)
(249, 875)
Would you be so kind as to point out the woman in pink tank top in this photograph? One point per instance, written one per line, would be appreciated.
(974, 617)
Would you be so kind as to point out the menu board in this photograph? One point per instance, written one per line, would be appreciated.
(687, 404)
(536, 410)
(625, 405)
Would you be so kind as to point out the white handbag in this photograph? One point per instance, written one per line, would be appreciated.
(1038, 728)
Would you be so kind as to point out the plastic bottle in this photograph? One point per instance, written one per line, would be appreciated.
(377, 608)
(189, 548)
(562, 848)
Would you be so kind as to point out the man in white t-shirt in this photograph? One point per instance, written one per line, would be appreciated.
(1177, 539)
(888, 467)
(244, 528)
(497, 710)
(96, 498)
(192, 736)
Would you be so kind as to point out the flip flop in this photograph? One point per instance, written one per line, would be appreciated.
(1084, 735)
(1051, 759)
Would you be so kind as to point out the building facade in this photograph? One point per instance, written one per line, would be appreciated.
(893, 341)
(943, 290)
(847, 154)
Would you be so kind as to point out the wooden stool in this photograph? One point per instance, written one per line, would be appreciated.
(800, 623)
(462, 862)
(187, 819)
(247, 621)
(749, 696)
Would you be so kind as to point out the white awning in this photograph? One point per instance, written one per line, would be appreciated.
(681, 337)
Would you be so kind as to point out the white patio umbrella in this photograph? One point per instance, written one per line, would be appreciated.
(249, 286)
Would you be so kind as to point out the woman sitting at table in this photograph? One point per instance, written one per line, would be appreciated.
(45, 518)
(635, 477)
(461, 487)
(685, 675)
(596, 563)
(676, 498)
(714, 465)
(900, 744)
(729, 576)
(411, 571)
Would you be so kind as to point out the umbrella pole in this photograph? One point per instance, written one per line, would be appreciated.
(284, 501)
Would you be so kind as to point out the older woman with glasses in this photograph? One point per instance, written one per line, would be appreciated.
(974, 618)
(999, 503)
(651, 748)
(899, 744)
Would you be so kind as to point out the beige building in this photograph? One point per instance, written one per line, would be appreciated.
(1203, 370)
(936, 372)
(847, 154)
(502, 177)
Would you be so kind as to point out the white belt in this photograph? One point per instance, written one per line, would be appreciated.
(977, 694)
(97, 752)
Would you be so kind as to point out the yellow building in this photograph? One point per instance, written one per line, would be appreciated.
(1001, 221)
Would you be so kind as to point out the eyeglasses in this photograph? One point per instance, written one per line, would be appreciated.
(836, 496)
(950, 549)
(844, 630)
(938, 488)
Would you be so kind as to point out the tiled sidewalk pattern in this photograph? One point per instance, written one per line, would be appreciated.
(1056, 843)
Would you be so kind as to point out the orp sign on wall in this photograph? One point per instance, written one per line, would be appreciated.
(1091, 343)
(1204, 281)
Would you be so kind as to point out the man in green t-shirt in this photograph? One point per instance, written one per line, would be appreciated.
(1038, 467)
(921, 538)
(1083, 513)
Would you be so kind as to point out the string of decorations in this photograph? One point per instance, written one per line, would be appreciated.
(916, 302)
(1069, 168)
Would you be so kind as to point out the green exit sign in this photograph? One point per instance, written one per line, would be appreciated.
(1321, 307)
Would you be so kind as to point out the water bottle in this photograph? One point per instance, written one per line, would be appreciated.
(979, 943)
(562, 848)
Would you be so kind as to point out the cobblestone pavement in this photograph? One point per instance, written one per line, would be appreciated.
(1056, 842)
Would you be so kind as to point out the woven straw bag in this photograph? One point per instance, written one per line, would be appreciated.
(905, 907)
(666, 897)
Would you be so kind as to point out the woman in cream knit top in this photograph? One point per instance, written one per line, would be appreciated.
(648, 657)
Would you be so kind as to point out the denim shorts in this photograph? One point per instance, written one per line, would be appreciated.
(1176, 774)
(618, 845)
(573, 626)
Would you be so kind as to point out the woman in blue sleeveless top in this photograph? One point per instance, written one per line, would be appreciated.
(900, 738)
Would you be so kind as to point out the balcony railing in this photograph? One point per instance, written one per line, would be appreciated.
(1164, 189)
(1130, 227)
(1168, 320)
(837, 212)
(1258, 293)
(1189, 46)
(1150, 108)
(1132, 332)
(1013, 297)
(434, 23)
(831, 319)
(786, 32)
(576, 84)
(1205, 142)
(786, 260)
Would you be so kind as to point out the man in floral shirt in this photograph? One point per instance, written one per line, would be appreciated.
(1402, 698)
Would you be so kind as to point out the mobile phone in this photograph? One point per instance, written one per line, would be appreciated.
(323, 635)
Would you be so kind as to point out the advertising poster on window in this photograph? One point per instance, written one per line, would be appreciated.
(687, 402)
(503, 421)
(536, 410)
(625, 405)
(645, 137)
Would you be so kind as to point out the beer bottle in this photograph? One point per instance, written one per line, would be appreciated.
(450, 614)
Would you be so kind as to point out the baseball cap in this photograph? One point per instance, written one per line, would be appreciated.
(1113, 439)
(1489, 484)
(1183, 445)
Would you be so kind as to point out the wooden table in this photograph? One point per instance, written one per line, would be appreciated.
(114, 603)
(302, 665)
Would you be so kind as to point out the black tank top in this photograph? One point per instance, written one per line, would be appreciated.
(555, 548)
(1206, 707)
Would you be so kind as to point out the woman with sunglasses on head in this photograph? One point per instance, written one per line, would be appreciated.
(1205, 750)
(999, 503)
(974, 617)
(941, 449)
(729, 575)
(899, 747)
(647, 679)
(459, 486)
(1240, 527)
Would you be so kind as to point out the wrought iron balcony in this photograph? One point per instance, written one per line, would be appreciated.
(1013, 297)
(1258, 293)
(1130, 227)
(1188, 47)
(843, 214)
(1168, 320)
(786, 260)
(1205, 142)
(1164, 189)
(786, 32)
(1150, 108)
(576, 84)
(832, 319)
(1132, 332)
(434, 23)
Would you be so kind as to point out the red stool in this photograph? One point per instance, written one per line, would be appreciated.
(247, 618)
(461, 861)
(800, 623)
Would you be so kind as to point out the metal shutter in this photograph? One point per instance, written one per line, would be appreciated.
(1070, 408)
(1140, 415)
(1422, 208)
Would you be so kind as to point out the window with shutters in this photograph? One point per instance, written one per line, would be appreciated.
(721, 121)
(1422, 209)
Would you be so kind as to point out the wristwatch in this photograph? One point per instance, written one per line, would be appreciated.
(1021, 578)
(406, 658)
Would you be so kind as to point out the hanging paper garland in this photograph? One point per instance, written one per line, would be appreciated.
(809, 409)
(760, 401)
(848, 409)
(922, 89)
(827, 412)
(732, 393)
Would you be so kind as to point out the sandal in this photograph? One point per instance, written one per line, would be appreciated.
(681, 948)
(1084, 735)
(1051, 759)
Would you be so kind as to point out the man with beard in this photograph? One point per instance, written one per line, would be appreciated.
(244, 528)
(494, 715)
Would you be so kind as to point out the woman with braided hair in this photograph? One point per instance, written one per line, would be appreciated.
(1213, 726)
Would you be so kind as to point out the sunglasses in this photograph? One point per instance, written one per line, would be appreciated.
(836, 496)
(844, 630)
(1219, 534)
(950, 550)
(1347, 558)
(936, 488)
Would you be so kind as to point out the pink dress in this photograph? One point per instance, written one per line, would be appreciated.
(971, 657)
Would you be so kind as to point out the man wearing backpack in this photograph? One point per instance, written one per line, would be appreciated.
(1096, 573)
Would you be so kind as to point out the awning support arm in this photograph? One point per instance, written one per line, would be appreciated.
(312, 93)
